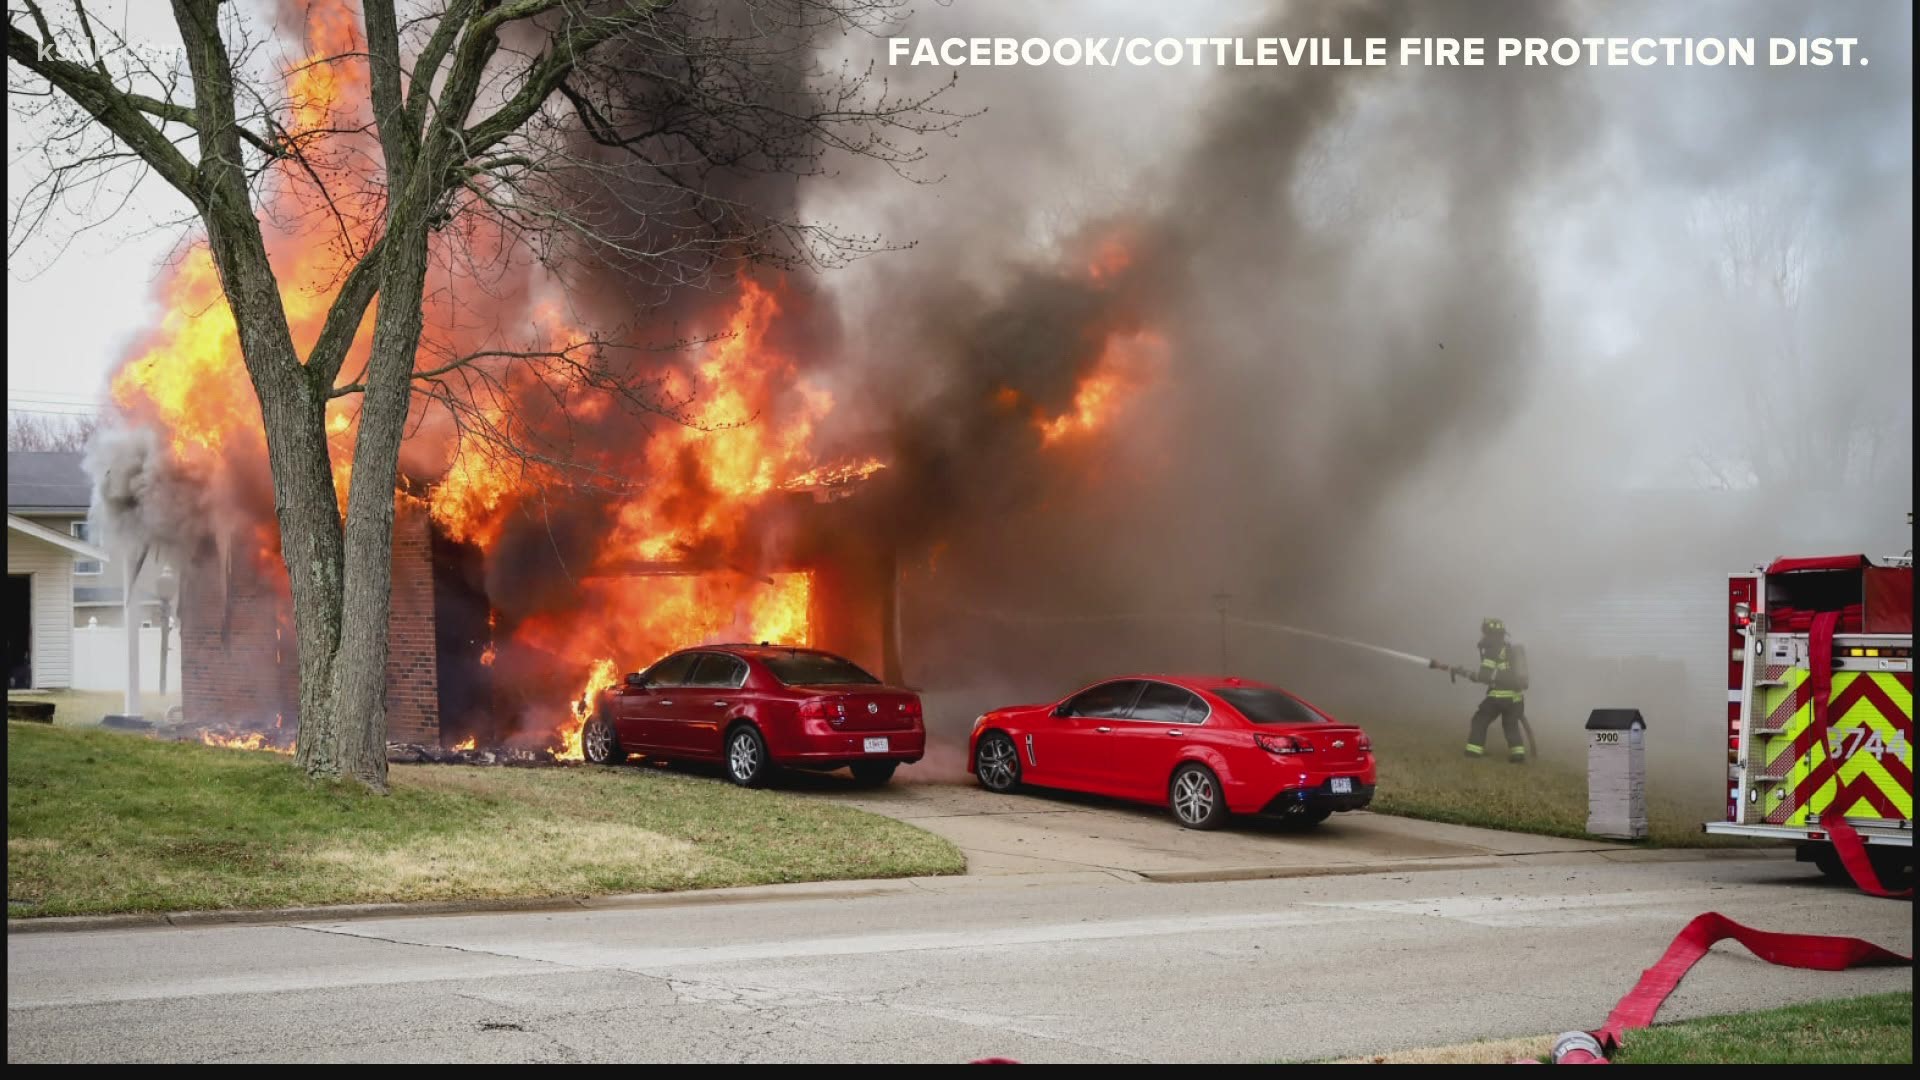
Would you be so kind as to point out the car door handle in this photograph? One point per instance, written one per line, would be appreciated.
(666, 701)
(722, 704)
(1103, 730)
(1175, 731)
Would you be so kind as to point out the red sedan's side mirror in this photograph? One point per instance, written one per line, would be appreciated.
(636, 681)
(1062, 710)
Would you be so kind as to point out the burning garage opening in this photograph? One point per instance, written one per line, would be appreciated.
(462, 675)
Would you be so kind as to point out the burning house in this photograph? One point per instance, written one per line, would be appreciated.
(597, 470)
(459, 674)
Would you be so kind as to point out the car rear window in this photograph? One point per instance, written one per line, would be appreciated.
(816, 669)
(1270, 706)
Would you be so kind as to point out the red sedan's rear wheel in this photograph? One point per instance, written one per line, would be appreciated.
(747, 763)
(1195, 798)
(997, 763)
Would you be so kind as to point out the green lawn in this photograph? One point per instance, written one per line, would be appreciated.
(103, 821)
(1424, 775)
(1872, 1030)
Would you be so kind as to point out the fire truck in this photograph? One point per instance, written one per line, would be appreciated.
(1820, 712)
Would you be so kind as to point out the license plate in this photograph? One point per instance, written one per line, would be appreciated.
(876, 746)
(1342, 785)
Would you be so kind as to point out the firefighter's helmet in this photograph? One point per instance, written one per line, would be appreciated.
(1491, 626)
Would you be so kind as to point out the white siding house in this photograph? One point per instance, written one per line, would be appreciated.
(40, 603)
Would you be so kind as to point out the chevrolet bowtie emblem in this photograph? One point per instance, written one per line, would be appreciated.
(873, 706)
(1338, 743)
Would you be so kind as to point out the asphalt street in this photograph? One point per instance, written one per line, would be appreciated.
(1039, 967)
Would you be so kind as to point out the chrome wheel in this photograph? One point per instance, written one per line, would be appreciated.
(1196, 798)
(744, 757)
(996, 763)
(599, 742)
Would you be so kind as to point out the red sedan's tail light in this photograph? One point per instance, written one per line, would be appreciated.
(821, 709)
(911, 707)
(1282, 744)
(1366, 743)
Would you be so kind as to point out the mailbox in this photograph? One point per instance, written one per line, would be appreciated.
(1617, 774)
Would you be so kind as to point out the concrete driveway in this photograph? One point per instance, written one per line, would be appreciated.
(1052, 833)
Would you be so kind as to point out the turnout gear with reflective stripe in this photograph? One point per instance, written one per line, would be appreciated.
(1497, 670)
(1503, 670)
(1508, 712)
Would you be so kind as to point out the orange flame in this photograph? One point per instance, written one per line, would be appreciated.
(249, 740)
(1124, 367)
(599, 679)
(749, 438)
(832, 475)
(468, 743)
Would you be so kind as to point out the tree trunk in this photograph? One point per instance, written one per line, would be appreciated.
(293, 414)
(359, 690)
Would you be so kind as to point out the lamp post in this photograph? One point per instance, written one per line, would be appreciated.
(166, 587)
(130, 618)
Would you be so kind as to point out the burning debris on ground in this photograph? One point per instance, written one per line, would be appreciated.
(227, 736)
(425, 754)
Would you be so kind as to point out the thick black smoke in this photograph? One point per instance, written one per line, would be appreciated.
(1561, 345)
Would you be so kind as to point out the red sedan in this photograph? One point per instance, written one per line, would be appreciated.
(1207, 748)
(756, 708)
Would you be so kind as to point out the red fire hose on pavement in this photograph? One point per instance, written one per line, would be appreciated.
(1812, 952)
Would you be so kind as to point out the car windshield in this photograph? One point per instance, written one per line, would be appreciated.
(816, 669)
(1261, 706)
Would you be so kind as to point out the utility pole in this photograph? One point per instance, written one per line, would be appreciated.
(1220, 600)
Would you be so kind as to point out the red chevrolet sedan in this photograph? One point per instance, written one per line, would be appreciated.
(757, 708)
(1207, 748)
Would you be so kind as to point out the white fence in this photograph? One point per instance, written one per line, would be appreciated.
(100, 659)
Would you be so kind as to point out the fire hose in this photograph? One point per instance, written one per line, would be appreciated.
(1810, 952)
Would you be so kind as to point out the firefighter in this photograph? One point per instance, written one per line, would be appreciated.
(1503, 671)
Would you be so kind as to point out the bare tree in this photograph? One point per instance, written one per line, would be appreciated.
(612, 131)
(49, 431)
(1814, 417)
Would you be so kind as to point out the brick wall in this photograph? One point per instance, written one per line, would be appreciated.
(413, 683)
(239, 663)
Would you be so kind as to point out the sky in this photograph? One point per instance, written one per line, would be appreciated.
(78, 298)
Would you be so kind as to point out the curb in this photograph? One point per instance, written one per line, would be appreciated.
(1463, 862)
(1265, 873)
(832, 890)
(810, 890)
